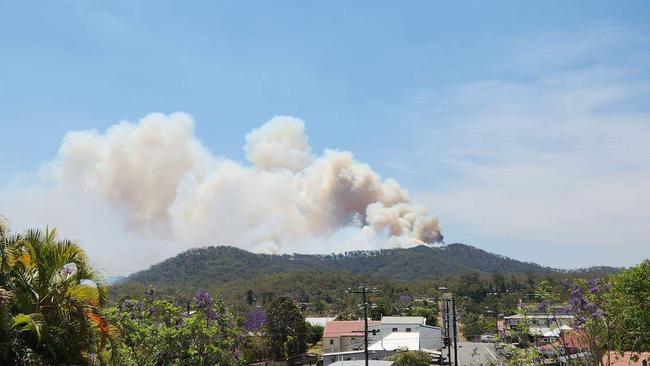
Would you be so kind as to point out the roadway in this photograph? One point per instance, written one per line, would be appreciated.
(475, 354)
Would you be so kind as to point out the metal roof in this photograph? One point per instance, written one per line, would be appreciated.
(403, 320)
(362, 363)
(398, 341)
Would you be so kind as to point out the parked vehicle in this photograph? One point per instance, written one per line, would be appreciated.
(488, 338)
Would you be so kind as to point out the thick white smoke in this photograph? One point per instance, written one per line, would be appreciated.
(167, 185)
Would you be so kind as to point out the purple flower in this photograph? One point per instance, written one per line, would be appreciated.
(148, 295)
(128, 305)
(205, 304)
(406, 299)
(565, 283)
(607, 287)
(203, 300)
(543, 305)
(594, 285)
(179, 323)
(255, 320)
(211, 314)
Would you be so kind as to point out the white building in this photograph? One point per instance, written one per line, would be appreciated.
(429, 337)
(397, 341)
(347, 335)
(390, 334)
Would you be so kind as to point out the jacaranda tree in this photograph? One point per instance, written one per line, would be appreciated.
(156, 332)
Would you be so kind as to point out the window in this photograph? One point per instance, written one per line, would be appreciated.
(331, 341)
(394, 329)
(408, 330)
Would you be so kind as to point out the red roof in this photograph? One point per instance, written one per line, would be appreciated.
(625, 360)
(575, 340)
(339, 328)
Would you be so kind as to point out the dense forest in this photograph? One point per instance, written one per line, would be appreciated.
(318, 282)
(223, 264)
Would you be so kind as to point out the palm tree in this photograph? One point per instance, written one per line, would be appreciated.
(55, 298)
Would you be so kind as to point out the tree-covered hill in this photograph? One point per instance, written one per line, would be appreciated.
(224, 264)
(319, 281)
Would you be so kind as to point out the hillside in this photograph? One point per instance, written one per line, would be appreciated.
(217, 265)
(321, 280)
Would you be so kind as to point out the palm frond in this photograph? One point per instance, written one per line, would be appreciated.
(29, 323)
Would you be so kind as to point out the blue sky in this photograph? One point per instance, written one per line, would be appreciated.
(522, 125)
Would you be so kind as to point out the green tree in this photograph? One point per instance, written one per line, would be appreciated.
(285, 328)
(631, 301)
(428, 313)
(411, 358)
(51, 301)
(156, 332)
(380, 307)
(314, 333)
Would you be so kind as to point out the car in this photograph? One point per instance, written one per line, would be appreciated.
(488, 338)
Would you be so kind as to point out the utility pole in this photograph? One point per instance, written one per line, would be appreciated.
(364, 291)
(453, 305)
(446, 321)
(447, 329)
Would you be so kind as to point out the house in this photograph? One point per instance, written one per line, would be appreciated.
(397, 341)
(346, 335)
(540, 328)
(430, 337)
(411, 333)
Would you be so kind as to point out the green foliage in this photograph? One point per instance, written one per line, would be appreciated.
(50, 301)
(314, 333)
(631, 301)
(429, 313)
(155, 332)
(410, 358)
(285, 327)
(381, 306)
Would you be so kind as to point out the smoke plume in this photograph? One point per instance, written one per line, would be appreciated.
(165, 184)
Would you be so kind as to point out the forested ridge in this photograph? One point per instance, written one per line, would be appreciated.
(223, 264)
(320, 281)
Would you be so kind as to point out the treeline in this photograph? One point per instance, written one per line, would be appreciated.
(217, 265)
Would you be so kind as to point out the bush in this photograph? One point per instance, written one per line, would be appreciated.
(411, 358)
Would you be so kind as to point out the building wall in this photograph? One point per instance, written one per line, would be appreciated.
(343, 343)
(372, 355)
(331, 344)
(351, 343)
(430, 337)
